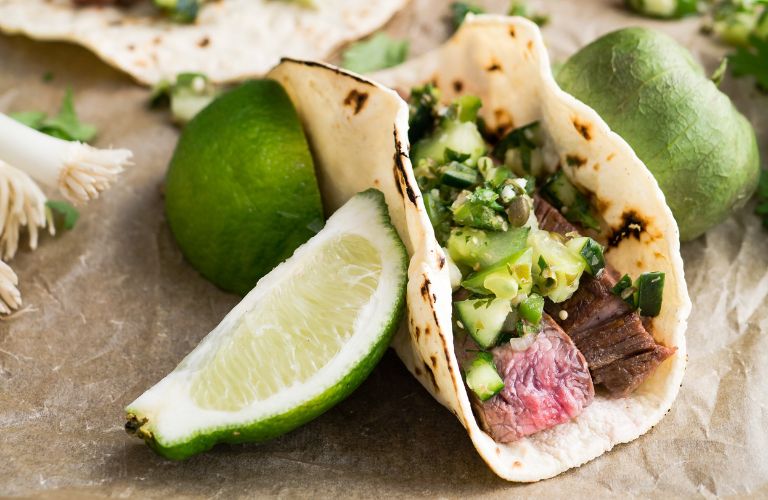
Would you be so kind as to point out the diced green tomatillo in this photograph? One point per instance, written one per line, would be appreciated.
(624, 289)
(591, 252)
(477, 249)
(482, 377)
(462, 137)
(560, 279)
(559, 191)
(458, 175)
(531, 308)
(483, 319)
(650, 289)
(506, 279)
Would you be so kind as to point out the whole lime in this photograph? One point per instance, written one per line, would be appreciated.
(241, 192)
(649, 90)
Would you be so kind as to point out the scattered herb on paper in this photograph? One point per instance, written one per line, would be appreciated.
(67, 214)
(378, 52)
(65, 125)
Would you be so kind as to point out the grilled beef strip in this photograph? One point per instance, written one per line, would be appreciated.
(617, 346)
(544, 385)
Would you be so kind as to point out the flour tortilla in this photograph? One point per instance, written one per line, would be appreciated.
(503, 61)
(231, 39)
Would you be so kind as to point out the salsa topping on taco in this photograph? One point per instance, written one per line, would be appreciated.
(540, 318)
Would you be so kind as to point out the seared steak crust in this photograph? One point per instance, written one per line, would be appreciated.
(617, 346)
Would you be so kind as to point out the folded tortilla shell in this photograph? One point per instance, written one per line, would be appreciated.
(503, 61)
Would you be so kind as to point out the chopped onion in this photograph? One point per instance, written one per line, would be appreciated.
(522, 343)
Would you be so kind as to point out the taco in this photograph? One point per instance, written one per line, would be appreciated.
(229, 39)
(547, 305)
(519, 300)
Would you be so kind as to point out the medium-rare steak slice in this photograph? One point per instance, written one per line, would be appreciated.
(617, 346)
(544, 385)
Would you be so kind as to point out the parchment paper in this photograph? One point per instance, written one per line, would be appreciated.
(112, 307)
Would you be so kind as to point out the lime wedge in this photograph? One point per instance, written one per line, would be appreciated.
(301, 341)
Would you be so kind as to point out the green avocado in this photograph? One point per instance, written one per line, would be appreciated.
(649, 90)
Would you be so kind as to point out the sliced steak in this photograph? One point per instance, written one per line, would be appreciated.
(614, 340)
(592, 304)
(621, 378)
(545, 385)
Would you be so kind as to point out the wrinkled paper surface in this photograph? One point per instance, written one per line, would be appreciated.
(112, 307)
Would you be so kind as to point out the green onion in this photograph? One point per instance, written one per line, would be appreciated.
(591, 252)
(650, 288)
(624, 289)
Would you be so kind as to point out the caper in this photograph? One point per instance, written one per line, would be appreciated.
(518, 210)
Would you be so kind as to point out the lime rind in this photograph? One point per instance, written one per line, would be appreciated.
(166, 416)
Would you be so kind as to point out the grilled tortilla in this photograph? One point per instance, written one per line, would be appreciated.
(230, 40)
(503, 61)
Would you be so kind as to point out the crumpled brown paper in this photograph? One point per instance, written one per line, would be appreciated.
(112, 307)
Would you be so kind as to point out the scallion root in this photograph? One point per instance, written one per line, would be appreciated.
(10, 298)
(88, 171)
(22, 204)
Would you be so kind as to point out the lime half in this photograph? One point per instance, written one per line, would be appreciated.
(301, 341)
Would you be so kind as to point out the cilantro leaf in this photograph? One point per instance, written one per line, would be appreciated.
(378, 52)
(65, 125)
(752, 61)
(459, 11)
(67, 214)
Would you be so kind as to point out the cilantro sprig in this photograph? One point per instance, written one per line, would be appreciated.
(65, 125)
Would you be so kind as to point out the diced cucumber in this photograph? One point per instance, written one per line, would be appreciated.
(505, 279)
(532, 308)
(560, 279)
(592, 253)
(459, 176)
(650, 289)
(559, 191)
(483, 319)
(479, 249)
(461, 137)
(482, 377)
